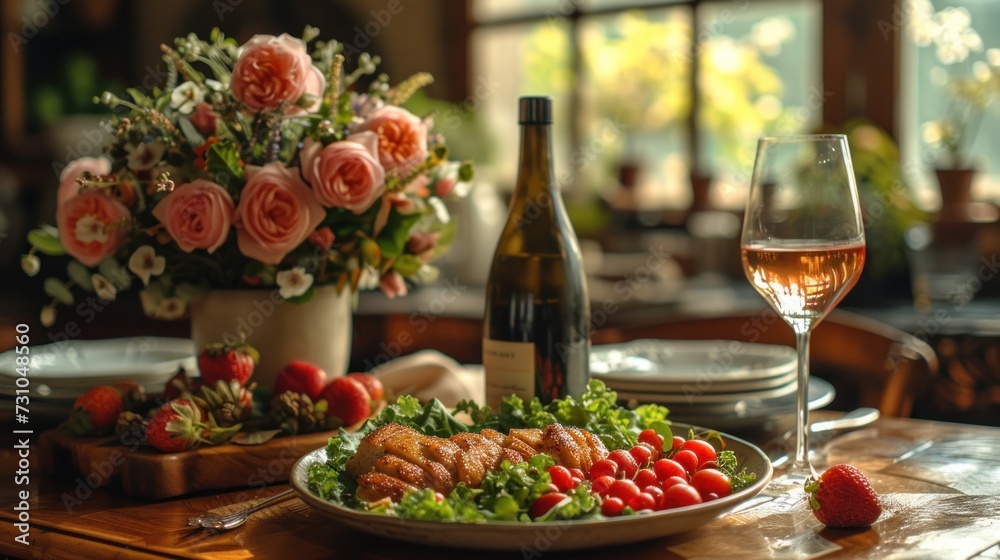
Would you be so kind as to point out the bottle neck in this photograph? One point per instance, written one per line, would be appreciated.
(535, 173)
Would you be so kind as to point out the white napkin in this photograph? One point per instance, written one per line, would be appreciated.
(430, 374)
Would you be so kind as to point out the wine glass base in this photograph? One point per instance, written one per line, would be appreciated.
(793, 480)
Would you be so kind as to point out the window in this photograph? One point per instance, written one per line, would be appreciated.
(623, 76)
(950, 44)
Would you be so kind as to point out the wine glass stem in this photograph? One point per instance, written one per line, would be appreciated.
(802, 466)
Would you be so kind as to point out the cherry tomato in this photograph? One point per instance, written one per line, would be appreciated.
(687, 459)
(642, 454)
(546, 502)
(612, 507)
(439, 496)
(561, 477)
(601, 485)
(666, 468)
(656, 492)
(642, 501)
(577, 473)
(680, 495)
(625, 461)
(672, 481)
(711, 481)
(701, 448)
(623, 489)
(652, 439)
(604, 467)
(645, 477)
(677, 442)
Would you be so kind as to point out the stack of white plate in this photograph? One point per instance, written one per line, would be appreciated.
(717, 383)
(58, 373)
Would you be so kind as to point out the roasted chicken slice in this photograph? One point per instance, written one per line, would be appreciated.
(394, 459)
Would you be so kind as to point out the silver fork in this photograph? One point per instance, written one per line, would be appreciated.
(236, 518)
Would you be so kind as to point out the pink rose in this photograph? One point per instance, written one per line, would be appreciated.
(68, 187)
(345, 174)
(322, 238)
(204, 119)
(91, 226)
(197, 215)
(274, 71)
(392, 284)
(276, 213)
(402, 138)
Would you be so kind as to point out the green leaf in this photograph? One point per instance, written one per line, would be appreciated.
(222, 160)
(308, 295)
(80, 275)
(254, 438)
(56, 289)
(190, 132)
(393, 238)
(117, 275)
(407, 265)
(46, 242)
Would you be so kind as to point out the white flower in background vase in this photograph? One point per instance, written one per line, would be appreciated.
(293, 282)
(105, 290)
(144, 263)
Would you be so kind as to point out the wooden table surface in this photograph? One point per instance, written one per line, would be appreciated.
(940, 484)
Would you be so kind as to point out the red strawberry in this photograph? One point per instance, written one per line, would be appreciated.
(302, 377)
(348, 400)
(370, 383)
(95, 411)
(227, 362)
(176, 426)
(843, 498)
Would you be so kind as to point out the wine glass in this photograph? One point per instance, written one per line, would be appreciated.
(803, 247)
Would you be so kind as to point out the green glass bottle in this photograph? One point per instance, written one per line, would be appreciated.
(536, 338)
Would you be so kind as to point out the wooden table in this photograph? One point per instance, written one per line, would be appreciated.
(940, 483)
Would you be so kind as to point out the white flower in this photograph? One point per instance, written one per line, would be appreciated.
(294, 282)
(440, 210)
(369, 277)
(89, 228)
(145, 155)
(932, 132)
(170, 308)
(145, 263)
(48, 316)
(30, 264)
(103, 287)
(186, 97)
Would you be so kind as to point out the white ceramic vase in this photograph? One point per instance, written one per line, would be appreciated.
(318, 331)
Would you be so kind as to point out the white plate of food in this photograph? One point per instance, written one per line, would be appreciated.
(561, 535)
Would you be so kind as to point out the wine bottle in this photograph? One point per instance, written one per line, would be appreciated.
(536, 340)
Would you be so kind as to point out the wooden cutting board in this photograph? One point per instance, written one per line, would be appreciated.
(145, 472)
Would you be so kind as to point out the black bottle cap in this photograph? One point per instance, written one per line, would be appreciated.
(534, 110)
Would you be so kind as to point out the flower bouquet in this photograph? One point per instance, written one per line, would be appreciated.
(259, 165)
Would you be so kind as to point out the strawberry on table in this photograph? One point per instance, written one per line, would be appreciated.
(95, 411)
(843, 498)
(300, 377)
(180, 425)
(225, 362)
(348, 400)
(370, 383)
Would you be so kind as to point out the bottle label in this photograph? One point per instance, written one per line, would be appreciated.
(510, 369)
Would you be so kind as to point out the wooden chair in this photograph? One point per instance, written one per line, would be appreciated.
(868, 362)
